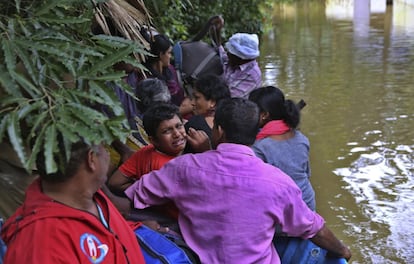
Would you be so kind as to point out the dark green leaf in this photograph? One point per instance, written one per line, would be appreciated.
(91, 97)
(111, 59)
(81, 62)
(50, 148)
(15, 136)
(88, 115)
(17, 5)
(29, 87)
(67, 131)
(85, 132)
(11, 28)
(8, 83)
(68, 146)
(62, 20)
(106, 135)
(109, 77)
(39, 120)
(3, 125)
(50, 49)
(29, 108)
(108, 96)
(28, 65)
(40, 137)
(26, 31)
(9, 56)
(112, 41)
(127, 88)
(135, 63)
(10, 100)
(45, 8)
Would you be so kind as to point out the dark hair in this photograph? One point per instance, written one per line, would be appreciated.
(272, 100)
(67, 167)
(150, 91)
(239, 118)
(212, 87)
(158, 44)
(157, 113)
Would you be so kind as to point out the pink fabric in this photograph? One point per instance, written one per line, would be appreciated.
(275, 127)
(243, 79)
(230, 202)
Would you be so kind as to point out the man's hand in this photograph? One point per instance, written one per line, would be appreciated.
(217, 22)
(154, 225)
(198, 140)
(327, 240)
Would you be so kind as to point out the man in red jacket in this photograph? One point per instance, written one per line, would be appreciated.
(66, 218)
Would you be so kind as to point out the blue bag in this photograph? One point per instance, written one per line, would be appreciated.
(158, 248)
(293, 250)
(2, 244)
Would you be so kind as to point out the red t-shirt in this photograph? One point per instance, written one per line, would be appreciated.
(143, 161)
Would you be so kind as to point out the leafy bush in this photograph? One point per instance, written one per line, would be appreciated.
(183, 19)
(53, 79)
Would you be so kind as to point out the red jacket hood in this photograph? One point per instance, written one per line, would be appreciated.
(37, 206)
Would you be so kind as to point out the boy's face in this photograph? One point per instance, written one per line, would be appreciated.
(171, 137)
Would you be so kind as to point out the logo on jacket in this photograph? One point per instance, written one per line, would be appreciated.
(93, 248)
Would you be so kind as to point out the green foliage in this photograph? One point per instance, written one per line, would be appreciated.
(183, 19)
(53, 82)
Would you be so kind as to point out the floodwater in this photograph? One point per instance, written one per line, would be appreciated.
(354, 66)
(355, 70)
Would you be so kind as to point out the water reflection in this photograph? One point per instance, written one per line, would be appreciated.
(353, 65)
(381, 181)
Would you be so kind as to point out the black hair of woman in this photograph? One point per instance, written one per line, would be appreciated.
(271, 102)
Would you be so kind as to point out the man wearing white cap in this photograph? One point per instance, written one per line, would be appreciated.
(241, 71)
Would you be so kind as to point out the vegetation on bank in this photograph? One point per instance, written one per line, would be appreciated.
(54, 71)
(183, 19)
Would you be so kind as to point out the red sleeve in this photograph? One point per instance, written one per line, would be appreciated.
(144, 161)
(133, 166)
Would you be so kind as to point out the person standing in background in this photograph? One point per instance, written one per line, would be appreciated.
(241, 71)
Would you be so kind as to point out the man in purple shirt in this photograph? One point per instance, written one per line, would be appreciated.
(229, 200)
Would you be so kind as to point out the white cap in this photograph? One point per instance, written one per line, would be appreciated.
(244, 46)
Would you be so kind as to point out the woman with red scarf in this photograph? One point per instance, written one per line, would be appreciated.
(279, 142)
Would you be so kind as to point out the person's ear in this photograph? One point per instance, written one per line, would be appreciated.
(153, 140)
(92, 160)
(264, 117)
(213, 104)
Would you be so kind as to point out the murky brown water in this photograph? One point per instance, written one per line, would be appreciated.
(356, 72)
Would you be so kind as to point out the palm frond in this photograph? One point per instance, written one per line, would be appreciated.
(127, 18)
